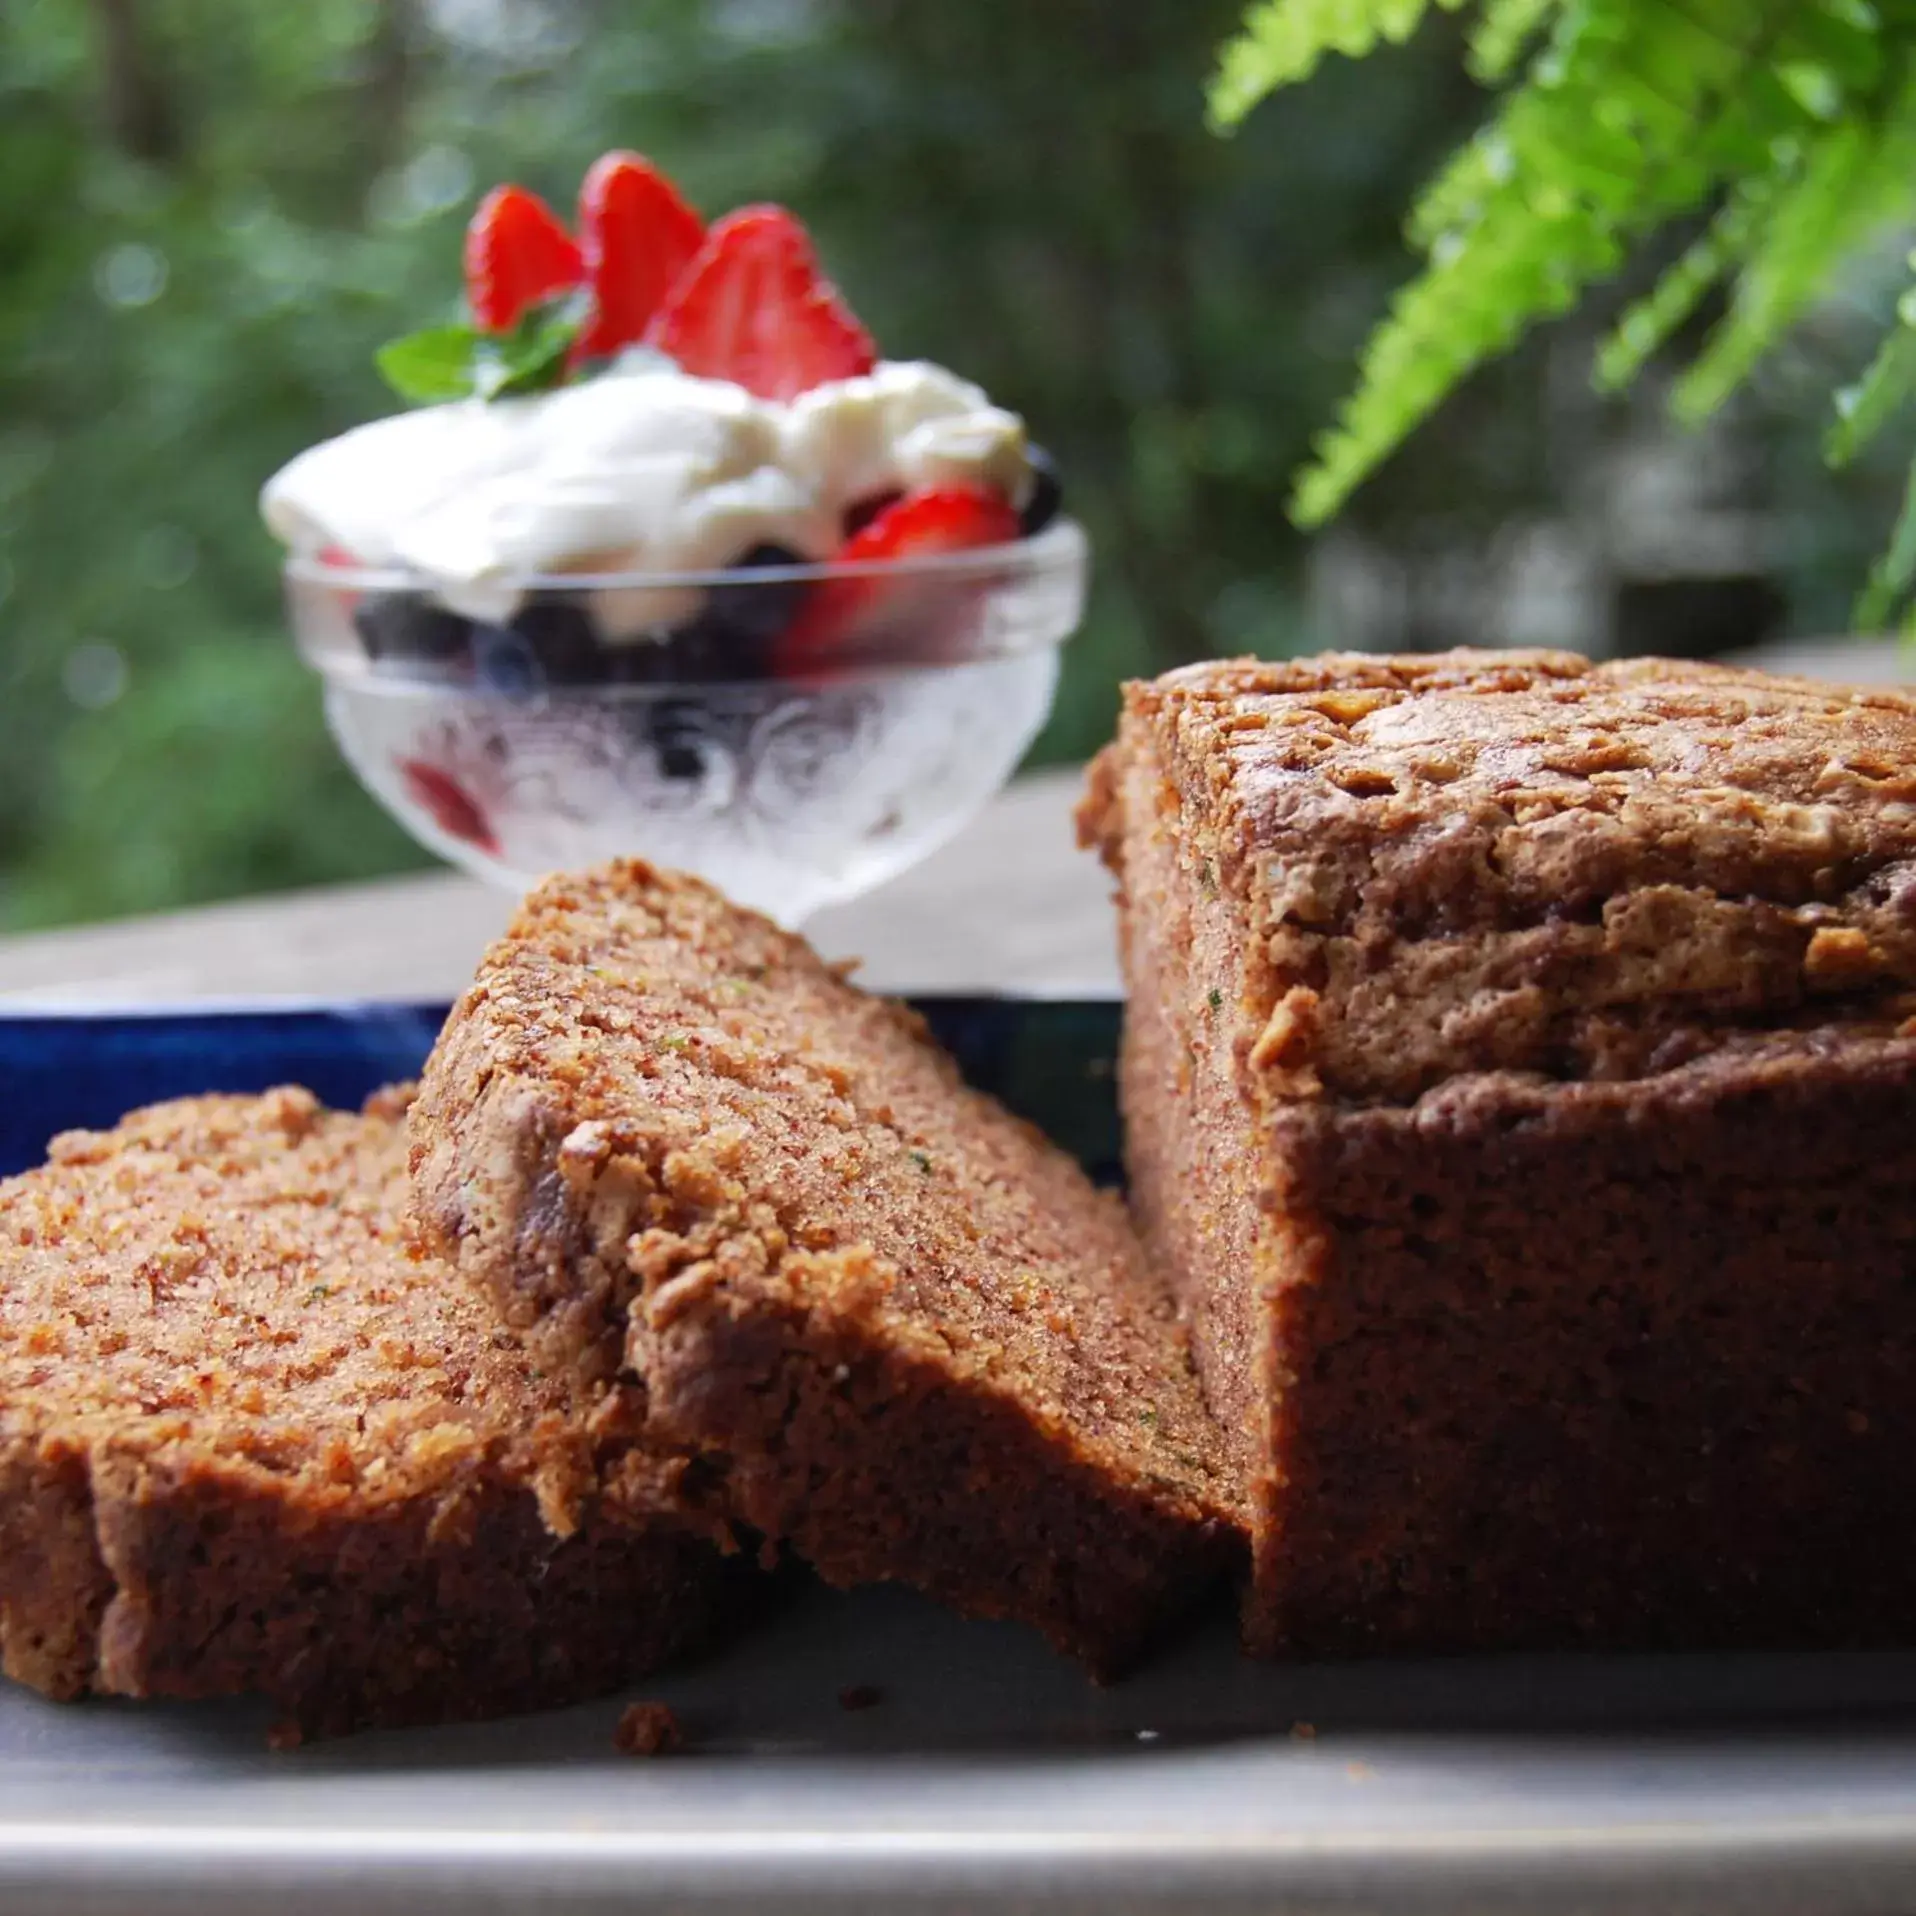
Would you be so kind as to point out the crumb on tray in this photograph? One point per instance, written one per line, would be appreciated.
(649, 1729)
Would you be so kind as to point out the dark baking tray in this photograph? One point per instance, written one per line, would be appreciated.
(988, 1774)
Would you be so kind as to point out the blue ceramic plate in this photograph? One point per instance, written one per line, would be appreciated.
(1050, 1060)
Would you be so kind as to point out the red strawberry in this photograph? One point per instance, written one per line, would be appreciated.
(638, 237)
(447, 802)
(754, 308)
(348, 601)
(921, 525)
(517, 254)
(861, 512)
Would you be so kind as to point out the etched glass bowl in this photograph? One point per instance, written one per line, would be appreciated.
(685, 720)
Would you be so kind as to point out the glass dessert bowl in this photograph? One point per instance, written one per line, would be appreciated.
(794, 733)
(665, 559)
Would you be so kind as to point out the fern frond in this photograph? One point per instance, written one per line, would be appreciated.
(1857, 178)
(1596, 101)
(1443, 324)
(1833, 54)
(1794, 119)
(1648, 324)
(1503, 35)
(1615, 131)
(1604, 121)
(1283, 41)
(1864, 409)
(1892, 575)
(1461, 190)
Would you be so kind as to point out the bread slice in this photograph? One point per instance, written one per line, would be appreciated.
(247, 1444)
(1520, 1085)
(900, 1329)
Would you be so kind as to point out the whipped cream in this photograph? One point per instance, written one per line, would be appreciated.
(642, 470)
(903, 425)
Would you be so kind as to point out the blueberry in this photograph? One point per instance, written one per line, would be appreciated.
(506, 661)
(409, 628)
(559, 631)
(731, 635)
(695, 654)
(673, 731)
(1047, 493)
(752, 614)
(763, 556)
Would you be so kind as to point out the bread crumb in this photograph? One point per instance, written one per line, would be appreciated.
(1283, 1051)
(1302, 1732)
(1841, 955)
(649, 1729)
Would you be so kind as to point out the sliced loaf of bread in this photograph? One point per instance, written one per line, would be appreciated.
(710, 1179)
(249, 1444)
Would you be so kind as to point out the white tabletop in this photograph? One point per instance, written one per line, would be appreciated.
(1010, 904)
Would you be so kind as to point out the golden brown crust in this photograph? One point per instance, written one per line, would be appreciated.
(896, 1325)
(1526, 862)
(247, 1442)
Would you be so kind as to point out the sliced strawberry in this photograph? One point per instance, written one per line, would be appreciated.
(842, 611)
(448, 804)
(638, 236)
(517, 254)
(861, 512)
(753, 307)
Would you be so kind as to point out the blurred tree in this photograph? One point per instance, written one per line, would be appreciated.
(183, 302)
(210, 215)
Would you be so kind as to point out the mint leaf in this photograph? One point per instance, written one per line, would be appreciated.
(430, 366)
(532, 357)
(460, 362)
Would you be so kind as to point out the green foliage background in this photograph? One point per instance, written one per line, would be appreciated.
(211, 211)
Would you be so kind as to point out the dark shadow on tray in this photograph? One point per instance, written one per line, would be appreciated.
(885, 1673)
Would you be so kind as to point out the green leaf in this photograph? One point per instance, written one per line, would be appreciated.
(1282, 42)
(1862, 410)
(1616, 130)
(428, 367)
(1651, 320)
(460, 362)
(1854, 181)
(532, 357)
(1795, 118)
(1634, 113)
(1809, 225)
(1889, 579)
(1498, 40)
